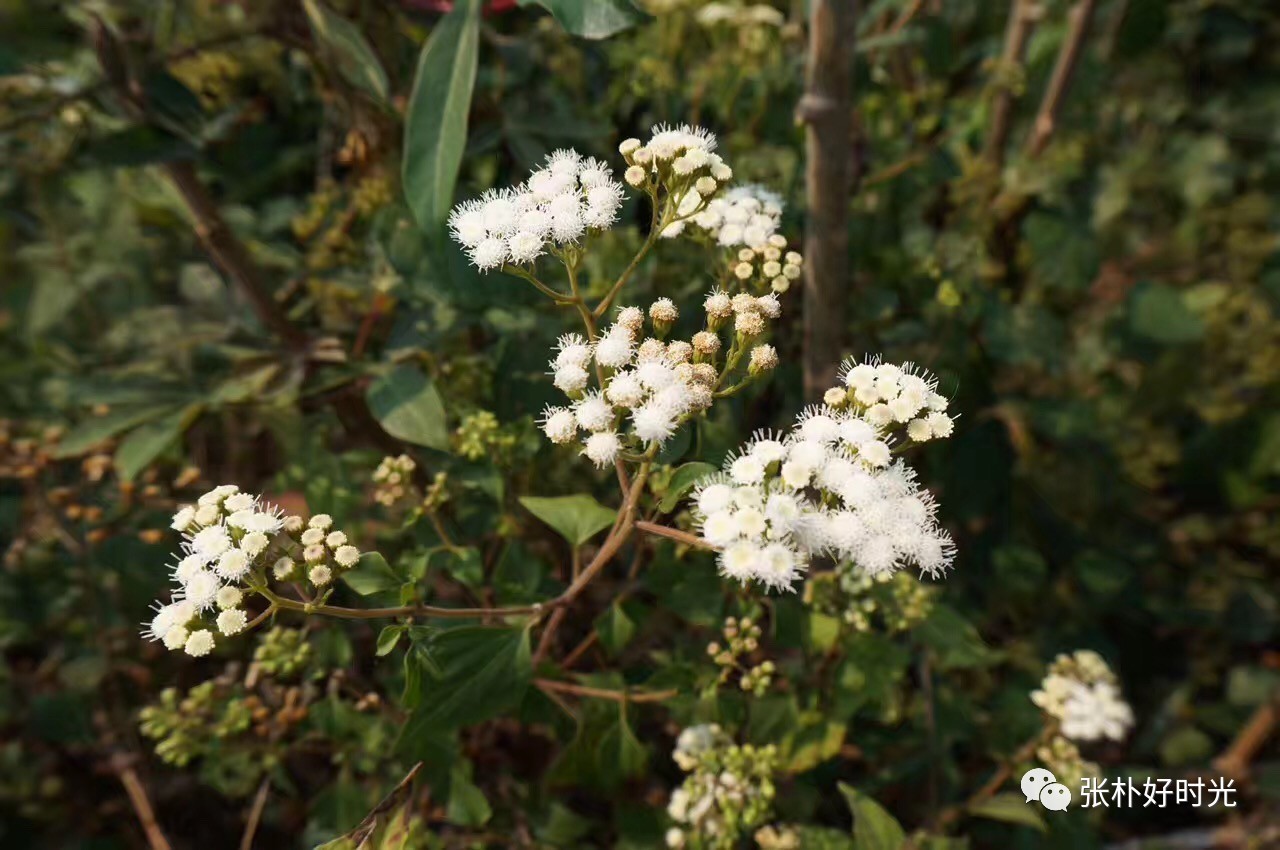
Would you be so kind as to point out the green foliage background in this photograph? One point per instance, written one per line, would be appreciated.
(1103, 313)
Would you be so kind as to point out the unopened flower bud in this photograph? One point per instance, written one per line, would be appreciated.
(628, 146)
(634, 175)
(835, 397)
(705, 345)
(663, 313)
(705, 186)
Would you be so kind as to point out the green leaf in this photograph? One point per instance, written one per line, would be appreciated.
(682, 481)
(577, 518)
(592, 18)
(388, 639)
(1159, 313)
(873, 827)
(355, 59)
(372, 574)
(467, 804)
(620, 749)
(1010, 808)
(146, 442)
(435, 131)
(409, 407)
(615, 629)
(954, 640)
(482, 672)
(92, 431)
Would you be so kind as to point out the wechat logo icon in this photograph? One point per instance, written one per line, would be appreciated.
(1040, 784)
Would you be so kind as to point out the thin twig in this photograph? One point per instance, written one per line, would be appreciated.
(674, 534)
(1078, 20)
(603, 693)
(1235, 759)
(255, 815)
(1022, 18)
(137, 794)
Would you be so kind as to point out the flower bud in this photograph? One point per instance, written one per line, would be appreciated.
(635, 175)
(764, 358)
(663, 314)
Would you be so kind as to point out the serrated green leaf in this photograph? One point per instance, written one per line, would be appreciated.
(873, 827)
(592, 18)
(435, 129)
(682, 481)
(408, 406)
(577, 518)
(481, 672)
(1010, 808)
(355, 59)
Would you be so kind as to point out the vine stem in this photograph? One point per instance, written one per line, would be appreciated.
(603, 693)
(402, 611)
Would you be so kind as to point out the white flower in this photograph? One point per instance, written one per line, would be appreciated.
(254, 543)
(199, 643)
(738, 561)
(239, 502)
(183, 518)
(209, 543)
(167, 617)
(653, 423)
(201, 590)
(625, 390)
(559, 424)
(217, 494)
(940, 425)
(175, 638)
(635, 175)
(320, 575)
(228, 597)
(602, 447)
(875, 453)
(747, 469)
(570, 379)
(593, 412)
(572, 350)
(919, 430)
(346, 556)
(714, 497)
(283, 568)
(232, 621)
(489, 254)
(321, 521)
(335, 539)
(187, 567)
(525, 246)
(312, 536)
(233, 565)
(615, 349)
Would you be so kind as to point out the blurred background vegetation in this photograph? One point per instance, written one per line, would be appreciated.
(1087, 258)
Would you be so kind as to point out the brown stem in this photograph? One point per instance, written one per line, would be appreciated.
(602, 693)
(1235, 759)
(953, 813)
(826, 110)
(1068, 56)
(229, 253)
(137, 794)
(1022, 18)
(404, 610)
(674, 534)
(255, 815)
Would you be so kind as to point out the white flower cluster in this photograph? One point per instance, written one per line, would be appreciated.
(681, 160)
(729, 790)
(745, 215)
(555, 206)
(1083, 695)
(886, 395)
(832, 487)
(229, 539)
(649, 384)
